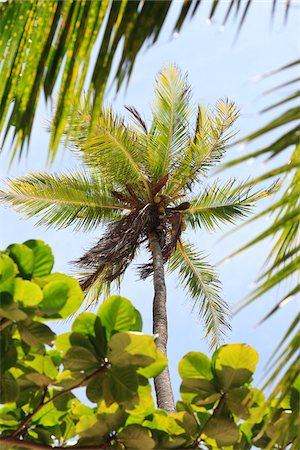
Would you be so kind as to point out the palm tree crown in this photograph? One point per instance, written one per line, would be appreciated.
(141, 180)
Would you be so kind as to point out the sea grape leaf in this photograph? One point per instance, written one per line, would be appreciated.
(62, 296)
(24, 258)
(9, 388)
(27, 292)
(132, 349)
(234, 365)
(43, 257)
(195, 365)
(118, 314)
(136, 437)
(223, 430)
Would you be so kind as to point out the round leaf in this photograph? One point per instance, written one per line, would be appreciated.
(134, 349)
(94, 391)
(43, 257)
(195, 365)
(23, 257)
(223, 430)
(79, 358)
(234, 365)
(62, 296)
(136, 437)
(118, 314)
(8, 270)
(27, 292)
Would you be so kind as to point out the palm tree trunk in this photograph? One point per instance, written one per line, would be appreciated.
(162, 382)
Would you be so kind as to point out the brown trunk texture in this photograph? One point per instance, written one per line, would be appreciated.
(162, 383)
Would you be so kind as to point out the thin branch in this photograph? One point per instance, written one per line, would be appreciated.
(27, 420)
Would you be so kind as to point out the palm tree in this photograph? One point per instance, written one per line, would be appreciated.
(140, 182)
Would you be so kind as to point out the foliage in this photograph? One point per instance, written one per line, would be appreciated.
(107, 354)
(140, 180)
(283, 261)
(49, 44)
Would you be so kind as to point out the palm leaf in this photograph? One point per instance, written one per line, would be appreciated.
(112, 149)
(171, 111)
(78, 199)
(283, 262)
(222, 203)
(44, 43)
(203, 287)
(207, 146)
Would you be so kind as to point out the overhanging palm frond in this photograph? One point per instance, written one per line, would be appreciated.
(222, 203)
(171, 111)
(78, 199)
(207, 145)
(45, 44)
(203, 288)
(283, 262)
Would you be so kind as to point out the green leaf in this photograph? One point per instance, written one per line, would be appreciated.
(155, 368)
(238, 401)
(137, 437)
(39, 379)
(199, 391)
(234, 365)
(35, 333)
(143, 408)
(94, 389)
(9, 309)
(121, 385)
(27, 292)
(62, 296)
(43, 257)
(8, 353)
(223, 430)
(55, 297)
(118, 314)
(90, 325)
(8, 270)
(23, 257)
(62, 342)
(195, 365)
(9, 389)
(79, 358)
(91, 427)
(42, 364)
(131, 349)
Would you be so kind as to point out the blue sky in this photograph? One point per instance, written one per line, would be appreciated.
(217, 67)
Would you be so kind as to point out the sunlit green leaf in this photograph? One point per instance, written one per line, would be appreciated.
(118, 314)
(234, 365)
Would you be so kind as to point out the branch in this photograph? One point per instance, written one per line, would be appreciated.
(216, 410)
(26, 421)
(12, 442)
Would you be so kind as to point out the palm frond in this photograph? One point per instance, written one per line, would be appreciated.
(79, 200)
(221, 204)
(113, 149)
(282, 264)
(203, 287)
(44, 42)
(207, 146)
(171, 111)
